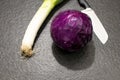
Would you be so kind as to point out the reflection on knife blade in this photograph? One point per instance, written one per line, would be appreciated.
(98, 28)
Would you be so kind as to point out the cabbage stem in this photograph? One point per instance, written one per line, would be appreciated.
(35, 24)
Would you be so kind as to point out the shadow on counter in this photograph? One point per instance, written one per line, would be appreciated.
(80, 60)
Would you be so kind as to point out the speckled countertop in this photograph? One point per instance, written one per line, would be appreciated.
(95, 62)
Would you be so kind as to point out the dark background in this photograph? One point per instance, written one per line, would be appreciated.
(95, 62)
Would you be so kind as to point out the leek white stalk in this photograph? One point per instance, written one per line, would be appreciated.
(35, 24)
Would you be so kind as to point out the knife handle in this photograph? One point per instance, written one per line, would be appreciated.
(84, 3)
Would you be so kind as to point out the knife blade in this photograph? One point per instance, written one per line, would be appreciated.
(98, 27)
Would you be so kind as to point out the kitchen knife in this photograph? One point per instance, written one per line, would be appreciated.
(98, 28)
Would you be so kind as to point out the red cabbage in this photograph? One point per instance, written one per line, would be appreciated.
(71, 30)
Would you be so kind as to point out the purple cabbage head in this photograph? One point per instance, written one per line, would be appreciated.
(71, 30)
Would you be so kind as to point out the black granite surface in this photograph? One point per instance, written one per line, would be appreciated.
(95, 62)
